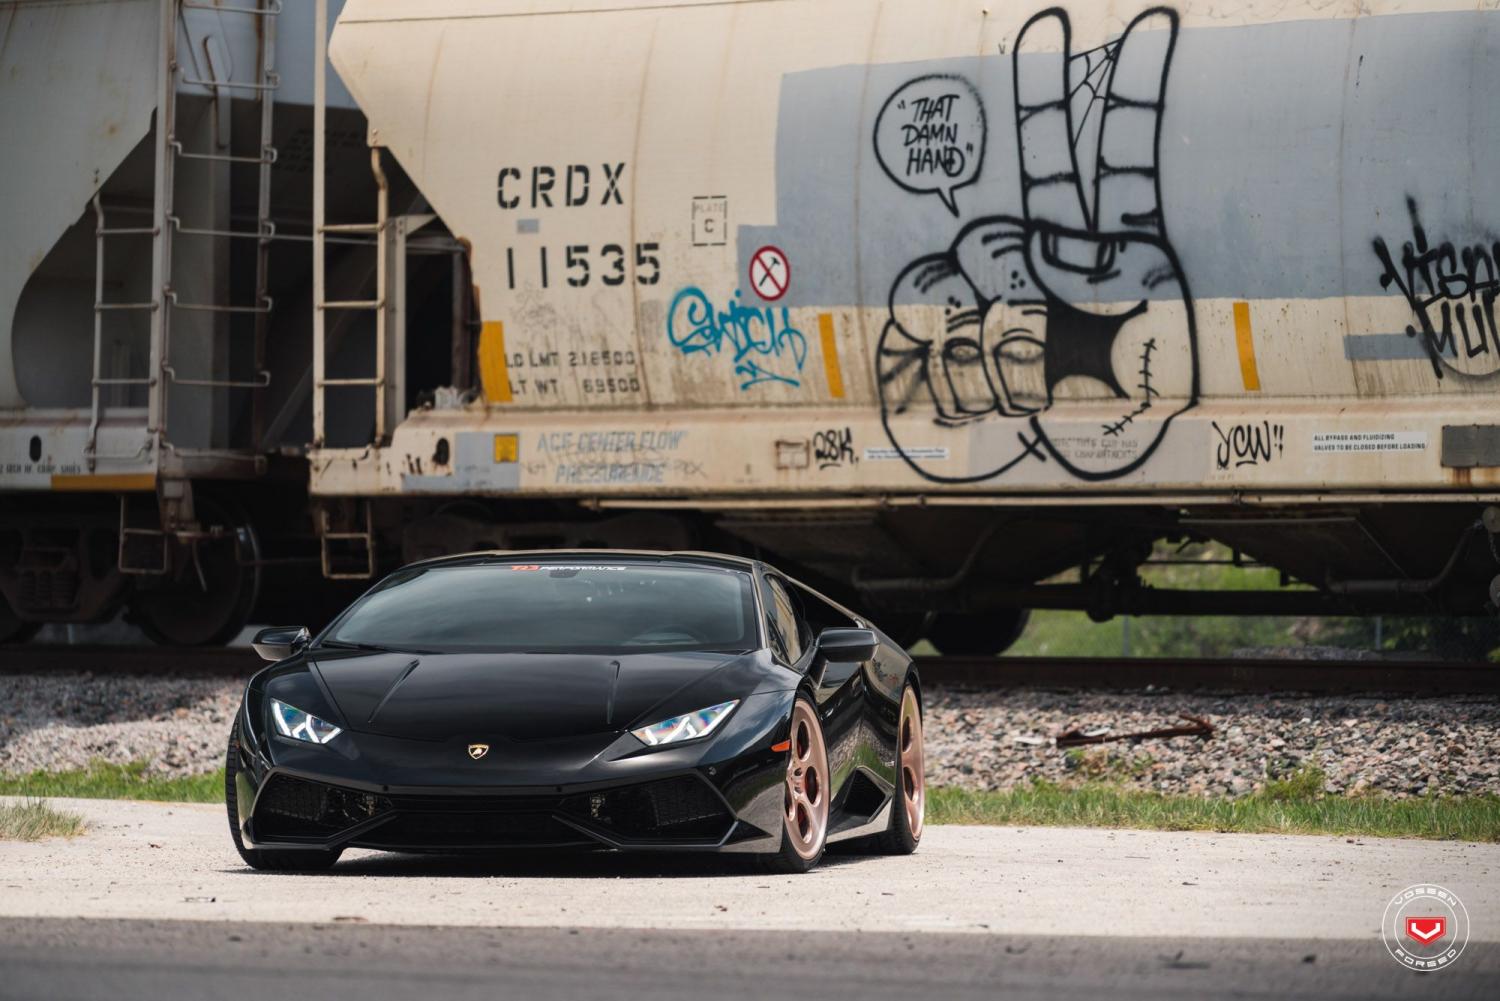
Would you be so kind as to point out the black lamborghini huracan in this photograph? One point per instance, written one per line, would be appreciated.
(599, 699)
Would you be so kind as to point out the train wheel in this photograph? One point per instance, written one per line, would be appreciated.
(208, 597)
(978, 635)
(12, 628)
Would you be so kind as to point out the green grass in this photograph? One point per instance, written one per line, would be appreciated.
(101, 780)
(34, 820)
(1294, 804)
(1285, 807)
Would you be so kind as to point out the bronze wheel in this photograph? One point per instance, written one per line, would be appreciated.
(913, 779)
(807, 791)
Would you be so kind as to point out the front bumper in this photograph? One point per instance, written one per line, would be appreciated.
(607, 792)
(681, 812)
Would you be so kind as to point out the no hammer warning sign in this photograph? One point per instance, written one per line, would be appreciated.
(770, 273)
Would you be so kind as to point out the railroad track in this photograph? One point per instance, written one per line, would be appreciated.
(1218, 674)
(1226, 674)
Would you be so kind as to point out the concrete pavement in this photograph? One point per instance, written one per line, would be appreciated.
(175, 861)
(154, 903)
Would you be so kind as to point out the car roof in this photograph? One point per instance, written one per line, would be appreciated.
(691, 558)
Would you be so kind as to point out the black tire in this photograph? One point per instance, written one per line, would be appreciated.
(787, 859)
(261, 858)
(898, 838)
(986, 635)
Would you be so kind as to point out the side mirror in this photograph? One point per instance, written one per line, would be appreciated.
(280, 642)
(846, 646)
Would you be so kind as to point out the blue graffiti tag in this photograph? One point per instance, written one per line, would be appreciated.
(752, 334)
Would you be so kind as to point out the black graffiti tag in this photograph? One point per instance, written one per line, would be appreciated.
(1452, 294)
(834, 447)
(1248, 444)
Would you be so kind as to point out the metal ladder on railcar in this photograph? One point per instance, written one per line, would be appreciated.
(329, 534)
(98, 381)
(264, 86)
(380, 228)
(167, 224)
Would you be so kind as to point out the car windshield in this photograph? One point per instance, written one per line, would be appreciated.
(554, 608)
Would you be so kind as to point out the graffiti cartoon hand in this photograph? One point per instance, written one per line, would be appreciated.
(1118, 317)
(1081, 301)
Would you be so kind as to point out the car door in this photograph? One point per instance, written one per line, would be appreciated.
(871, 696)
(841, 690)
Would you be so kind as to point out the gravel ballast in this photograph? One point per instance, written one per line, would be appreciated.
(1398, 746)
(59, 722)
(1395, 746)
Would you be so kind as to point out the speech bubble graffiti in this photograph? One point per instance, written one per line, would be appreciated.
(930, 136)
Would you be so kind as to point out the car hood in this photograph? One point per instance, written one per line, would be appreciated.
(523, 696)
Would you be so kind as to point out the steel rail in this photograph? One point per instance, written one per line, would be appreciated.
(1229, 674)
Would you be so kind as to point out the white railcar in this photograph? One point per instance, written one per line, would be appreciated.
(933, 299)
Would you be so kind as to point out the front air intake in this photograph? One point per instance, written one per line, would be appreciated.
(294, 808)
(682, 808)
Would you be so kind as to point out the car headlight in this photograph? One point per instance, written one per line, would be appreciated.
(293, 722)
(688, 727)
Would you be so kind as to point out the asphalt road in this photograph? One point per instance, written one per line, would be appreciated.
(153, 903)
(64, 960)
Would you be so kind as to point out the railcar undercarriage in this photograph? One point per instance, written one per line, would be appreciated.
(964, 576)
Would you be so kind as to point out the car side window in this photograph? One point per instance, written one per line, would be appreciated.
(820, 613)
(788, 636)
